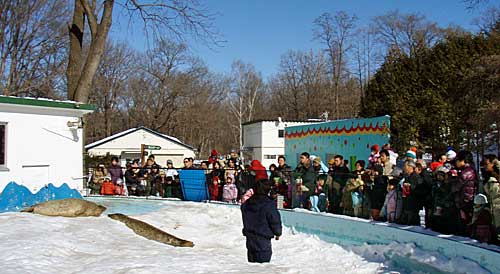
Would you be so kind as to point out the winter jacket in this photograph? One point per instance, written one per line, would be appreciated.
(393, 206)
(481, 228)
(308, 176)
(465, 187)
(410, 192)
(261, 217)
(213, 189)
(131, 178)
(285, 173)
(115, 172)
(493, 194)
(230, 192)
(341, 174)
(423, 189)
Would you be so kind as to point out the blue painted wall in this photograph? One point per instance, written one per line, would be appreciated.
(352, 231)
(15, 197)
(351, 138)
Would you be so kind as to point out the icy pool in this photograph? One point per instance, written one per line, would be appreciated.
(40, 244)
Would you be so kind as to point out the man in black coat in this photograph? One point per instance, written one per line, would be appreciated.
(261, 222)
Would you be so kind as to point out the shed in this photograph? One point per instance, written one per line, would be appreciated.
(127, 146)
(41, 142)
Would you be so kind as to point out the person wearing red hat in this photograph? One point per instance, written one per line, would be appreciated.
(214, 156)
(374, 156)
(259, 170)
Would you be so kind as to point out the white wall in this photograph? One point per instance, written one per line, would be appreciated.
(41, 149)
(264, 140)
(132, 143)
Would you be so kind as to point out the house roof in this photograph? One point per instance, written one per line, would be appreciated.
(284, 121)
(44, 102)
(132, 130)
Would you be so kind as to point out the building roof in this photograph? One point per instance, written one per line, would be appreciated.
(44, 102)
(132, 130)
(284, 121)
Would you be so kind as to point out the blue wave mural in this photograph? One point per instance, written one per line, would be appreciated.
(15, 197)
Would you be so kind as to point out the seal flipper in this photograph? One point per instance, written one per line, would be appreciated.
(29, 209)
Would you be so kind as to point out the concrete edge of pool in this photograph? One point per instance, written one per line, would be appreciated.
(349, 230)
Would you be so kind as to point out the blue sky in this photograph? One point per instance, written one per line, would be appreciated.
(260, 32)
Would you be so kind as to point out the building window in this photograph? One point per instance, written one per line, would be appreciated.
(269, 157)
(281, 133)
(3, 127)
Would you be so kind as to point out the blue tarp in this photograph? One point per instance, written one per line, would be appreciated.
(14, 197)
(194, 185)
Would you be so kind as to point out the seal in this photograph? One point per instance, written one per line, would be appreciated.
(70, 207)
(150, 232)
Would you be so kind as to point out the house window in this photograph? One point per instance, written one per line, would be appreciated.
(281, 133)
(3, 127)
(267, 156)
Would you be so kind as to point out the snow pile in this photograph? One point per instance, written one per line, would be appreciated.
(41, 244)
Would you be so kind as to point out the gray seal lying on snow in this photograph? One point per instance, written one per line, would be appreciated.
(67, 208)
(150, 232)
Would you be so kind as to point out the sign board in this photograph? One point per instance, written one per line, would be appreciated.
(152, 147)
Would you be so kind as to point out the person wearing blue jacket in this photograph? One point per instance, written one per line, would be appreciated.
(261, 223)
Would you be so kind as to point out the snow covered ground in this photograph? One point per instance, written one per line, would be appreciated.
(39, 244)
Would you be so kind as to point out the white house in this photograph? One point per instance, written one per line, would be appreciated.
(41, 142)
(127, 146)
(264, 140)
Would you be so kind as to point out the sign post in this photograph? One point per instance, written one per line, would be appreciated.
(143, 151)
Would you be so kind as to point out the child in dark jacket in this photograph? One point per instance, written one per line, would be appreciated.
(481, 227)
(261, 222)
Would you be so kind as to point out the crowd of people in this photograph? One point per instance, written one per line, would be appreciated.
(456, 198)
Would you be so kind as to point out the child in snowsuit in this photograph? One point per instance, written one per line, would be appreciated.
(393, 205)
(319, 200)
(213, 188)
(261, 222)
(481, 227)
(230, 192)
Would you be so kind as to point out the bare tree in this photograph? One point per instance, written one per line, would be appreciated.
(406, 33)
(244, 95)
(177, 18)
(113, 72)
(334, 31)
(163, 81)
(364, 58)
(31, 46)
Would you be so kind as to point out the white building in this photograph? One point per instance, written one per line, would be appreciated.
(127, 146)
(264, 140)
(41, 142)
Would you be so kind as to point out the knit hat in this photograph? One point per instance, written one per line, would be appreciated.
(414, 149)
(451, 154)
(375, 148)
(258, 169)
(480, 199)
(317, 160)
(411, 154)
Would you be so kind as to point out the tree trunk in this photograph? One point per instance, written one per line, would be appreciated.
(96, 50)
(75, 49)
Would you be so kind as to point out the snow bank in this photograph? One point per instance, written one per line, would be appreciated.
(40, 244)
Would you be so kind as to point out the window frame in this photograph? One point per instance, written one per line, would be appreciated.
(3, 167)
